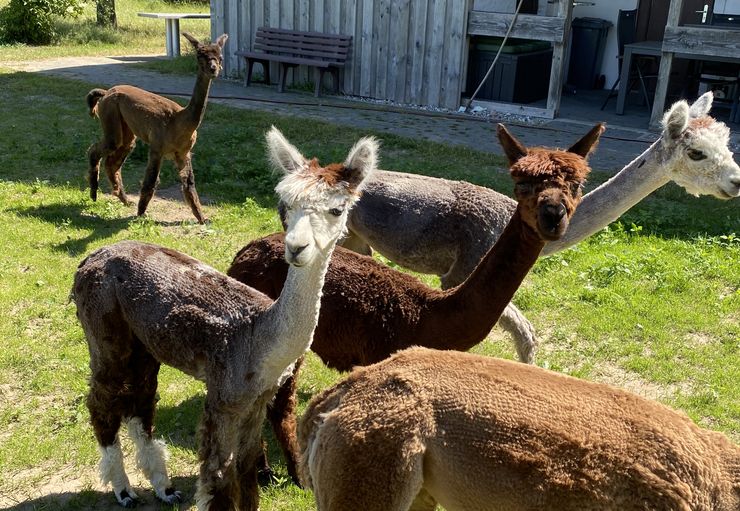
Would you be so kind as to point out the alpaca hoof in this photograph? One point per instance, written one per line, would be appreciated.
(171, 496)
(94, 195)
(265, 476)
(127, 500)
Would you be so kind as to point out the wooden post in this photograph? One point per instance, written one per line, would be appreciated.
(557, 71)
(664, 74)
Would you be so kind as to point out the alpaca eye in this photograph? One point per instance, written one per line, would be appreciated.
(523, 188)
(696, 155)
(336, 211)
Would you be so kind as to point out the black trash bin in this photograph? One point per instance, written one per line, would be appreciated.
(521, 74)
(587, 51)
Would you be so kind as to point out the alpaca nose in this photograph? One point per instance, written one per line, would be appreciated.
(294, 251)
(556, 212)
(735, 182)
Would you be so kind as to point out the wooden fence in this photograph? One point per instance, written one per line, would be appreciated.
(409, 51)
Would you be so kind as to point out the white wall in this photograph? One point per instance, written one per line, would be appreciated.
(608, 10)
(727, 6)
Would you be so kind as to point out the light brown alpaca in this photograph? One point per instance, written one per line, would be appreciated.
(369, 311)
(143, 305)
(127, 112)
(484, 434)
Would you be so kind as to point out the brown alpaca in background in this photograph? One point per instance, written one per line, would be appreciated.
(485, 434)
(369, 311)
(127, 112)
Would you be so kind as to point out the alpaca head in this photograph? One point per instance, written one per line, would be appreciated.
(548, 182)
(210, 56)
(317, 199)
(696, 146)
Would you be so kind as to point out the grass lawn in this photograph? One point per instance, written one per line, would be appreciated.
(651, 304)
(135, 35)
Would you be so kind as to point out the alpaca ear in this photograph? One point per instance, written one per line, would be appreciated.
(283, 155)
(513, 149)
(588, 142)
(361, 161)
(701, 106)
(222, 40)
(676, 120)
(192, 39)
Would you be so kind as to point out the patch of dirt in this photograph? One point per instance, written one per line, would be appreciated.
(168, 206)
(632, 382)
(80, 488)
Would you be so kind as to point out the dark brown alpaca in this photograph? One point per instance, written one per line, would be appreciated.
(127, 112)
(383, 310)
(143, 305)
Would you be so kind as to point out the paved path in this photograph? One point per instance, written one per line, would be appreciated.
(618, 146)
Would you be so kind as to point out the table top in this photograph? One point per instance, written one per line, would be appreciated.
(175, 15)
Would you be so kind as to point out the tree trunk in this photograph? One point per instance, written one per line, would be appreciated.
(106, 11)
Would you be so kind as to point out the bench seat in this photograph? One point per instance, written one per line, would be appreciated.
(292, 48)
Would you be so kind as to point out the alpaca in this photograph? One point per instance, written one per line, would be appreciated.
(127, 112)
(433, 225)
(383, 310)
(142, 305)
(473, 432)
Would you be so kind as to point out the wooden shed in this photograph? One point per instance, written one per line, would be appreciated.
(417, 51)
(409, 51)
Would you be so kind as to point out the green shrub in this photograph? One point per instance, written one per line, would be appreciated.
(32, 21)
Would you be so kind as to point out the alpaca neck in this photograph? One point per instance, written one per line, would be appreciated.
(292, 319)
(463, 316)
(196, 108)
(605, 204)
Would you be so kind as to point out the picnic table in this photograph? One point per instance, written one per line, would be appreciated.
(172, 27)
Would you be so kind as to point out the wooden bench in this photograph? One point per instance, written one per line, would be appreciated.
(292, 48)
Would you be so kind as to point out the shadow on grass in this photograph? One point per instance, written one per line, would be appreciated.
(105, 500)
(79, 216)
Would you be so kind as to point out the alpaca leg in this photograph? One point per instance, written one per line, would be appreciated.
(114, 162)
(513, 321)
(94, 155)
(105, 416)
(249, 450)
(282, 415)
(151, 181)
(217, 488)
(151, 454)
(187, 178)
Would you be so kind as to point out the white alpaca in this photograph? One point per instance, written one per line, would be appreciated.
(443, 227)
(143, 305)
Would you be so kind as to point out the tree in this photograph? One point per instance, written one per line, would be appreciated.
(106, 13)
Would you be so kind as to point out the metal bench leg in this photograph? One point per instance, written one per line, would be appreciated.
(318, 78)
(266, 71)
(281, 79)
(335, 77)
(248, 76)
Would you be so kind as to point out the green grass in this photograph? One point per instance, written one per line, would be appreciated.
(651, 303)
(135, 35)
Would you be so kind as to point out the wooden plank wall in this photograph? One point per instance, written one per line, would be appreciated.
(409, 51)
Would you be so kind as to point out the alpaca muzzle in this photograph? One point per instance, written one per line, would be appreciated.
(552, 221)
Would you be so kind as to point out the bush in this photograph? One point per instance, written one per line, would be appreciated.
(32, 21)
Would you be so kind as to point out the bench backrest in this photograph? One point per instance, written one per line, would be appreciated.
(306, 45)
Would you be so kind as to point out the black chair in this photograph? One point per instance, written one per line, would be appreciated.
(626, 34)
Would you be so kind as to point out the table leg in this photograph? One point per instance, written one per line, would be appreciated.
(624, 80)
(168, 37)
(172, 33)
(661, 89)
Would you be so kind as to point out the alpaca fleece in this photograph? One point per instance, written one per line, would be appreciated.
(472, 432)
